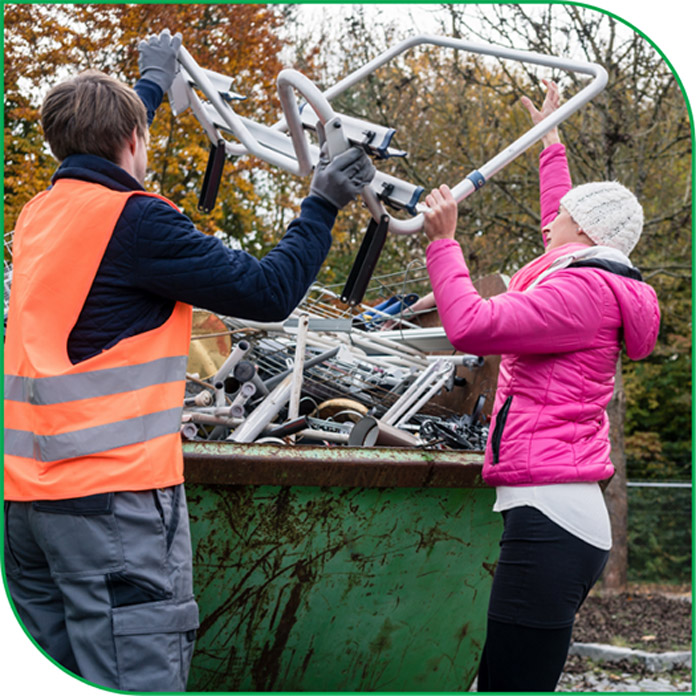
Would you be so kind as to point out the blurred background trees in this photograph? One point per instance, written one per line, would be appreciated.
(452, 112)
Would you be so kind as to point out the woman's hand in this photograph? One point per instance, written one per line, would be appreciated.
(441, 216)
(551, 102)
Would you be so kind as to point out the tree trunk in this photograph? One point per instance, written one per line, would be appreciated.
(614, 577)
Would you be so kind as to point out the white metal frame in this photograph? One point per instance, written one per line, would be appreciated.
(298, 156)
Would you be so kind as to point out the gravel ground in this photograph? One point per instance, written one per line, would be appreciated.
(599, 679)
(642, 620)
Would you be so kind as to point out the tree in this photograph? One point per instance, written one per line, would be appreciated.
(44, 43)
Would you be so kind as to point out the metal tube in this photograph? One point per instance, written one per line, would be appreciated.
(414, 393)
(210, 419)
(188, 431)
(264, 413)
(298, 367)
(465, 359)
(370, 431)
(236, 354)
(407, 398)
(244, 371)
(327, 435)
(286, 81)
(436, 386)
(219, 393)
(232, 121)
(379, 344)
(270, 383)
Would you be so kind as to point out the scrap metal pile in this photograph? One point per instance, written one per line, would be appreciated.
(324, 377)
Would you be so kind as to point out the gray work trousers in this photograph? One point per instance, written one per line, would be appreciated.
(104, 585)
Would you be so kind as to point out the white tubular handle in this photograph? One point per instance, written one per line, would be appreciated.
(287, 81)
(301, 164)
(475, 180)
(250, 144)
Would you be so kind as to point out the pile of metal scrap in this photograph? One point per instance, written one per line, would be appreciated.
(321, 378)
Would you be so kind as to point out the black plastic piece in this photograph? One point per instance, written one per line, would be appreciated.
(213, 175)
(365, 261)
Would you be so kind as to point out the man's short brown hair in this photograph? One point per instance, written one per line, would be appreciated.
(91, 114)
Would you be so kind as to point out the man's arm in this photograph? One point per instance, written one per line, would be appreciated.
(172, 259)
(150, 95)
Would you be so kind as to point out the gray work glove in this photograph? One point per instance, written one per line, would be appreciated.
(341, 179)
(157, 61)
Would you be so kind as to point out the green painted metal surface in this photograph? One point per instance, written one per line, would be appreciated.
(328, 588)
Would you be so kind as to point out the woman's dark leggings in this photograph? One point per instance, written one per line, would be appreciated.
(543, 576)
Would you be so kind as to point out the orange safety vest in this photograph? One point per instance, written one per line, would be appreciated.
(108, 423)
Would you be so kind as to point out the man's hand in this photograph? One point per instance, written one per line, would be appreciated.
(441, 215)
(157, 61)
(341, 179)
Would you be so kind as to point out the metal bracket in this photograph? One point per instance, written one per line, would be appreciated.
(365, 261)
(212, 177)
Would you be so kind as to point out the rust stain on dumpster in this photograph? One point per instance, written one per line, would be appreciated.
(340, 588)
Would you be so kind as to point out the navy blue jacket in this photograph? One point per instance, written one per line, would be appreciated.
(156, 257)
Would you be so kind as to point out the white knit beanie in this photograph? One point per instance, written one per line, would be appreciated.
(607, 212)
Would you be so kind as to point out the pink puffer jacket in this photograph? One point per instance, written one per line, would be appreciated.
(559, 343)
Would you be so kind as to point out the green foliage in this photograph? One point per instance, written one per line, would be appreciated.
(658, 418)
(659, 535)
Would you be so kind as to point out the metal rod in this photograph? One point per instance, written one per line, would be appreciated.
(440, 381)
(371, 431)
(219, 393)
(236, 354)
(413, 394)
(264, 413)
(323, 435)
(323, 357)
(298, 368)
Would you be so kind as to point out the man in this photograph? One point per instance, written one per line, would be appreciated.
(97, 545)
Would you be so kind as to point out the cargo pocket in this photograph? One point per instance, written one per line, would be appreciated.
(497, 436)
(81, 535)
(154, 644)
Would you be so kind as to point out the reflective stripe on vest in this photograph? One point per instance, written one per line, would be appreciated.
(110, 422)
(81, 443)
(88, 385)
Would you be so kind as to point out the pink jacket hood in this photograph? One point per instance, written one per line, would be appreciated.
(637, 302)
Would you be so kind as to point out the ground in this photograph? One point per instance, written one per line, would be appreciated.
(656, 619)
(646, 620)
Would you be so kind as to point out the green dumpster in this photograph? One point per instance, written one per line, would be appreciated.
(338, 569)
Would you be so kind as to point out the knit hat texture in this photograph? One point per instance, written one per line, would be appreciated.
(607, 212)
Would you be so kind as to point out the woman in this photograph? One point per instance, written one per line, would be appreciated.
(559, 329)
